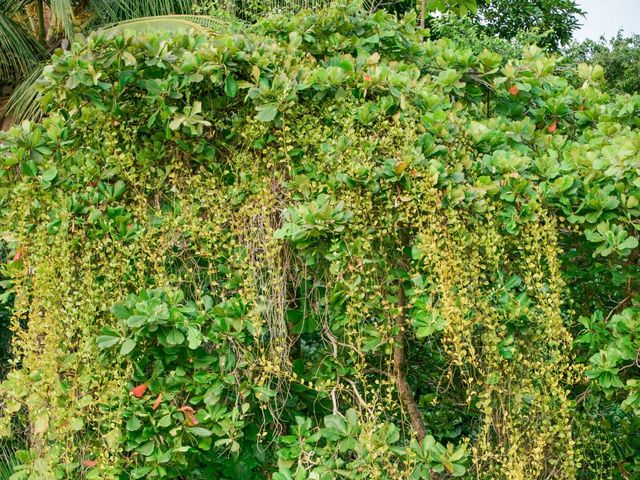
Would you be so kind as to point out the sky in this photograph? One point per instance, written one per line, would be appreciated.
(606, 17)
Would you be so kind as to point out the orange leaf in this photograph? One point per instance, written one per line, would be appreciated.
(17, 256)
(189, 415)
(367, 78)
(553, 127)
(157, 403)
(138, 391)
(89, 463)
(514, 90)
(191, 420)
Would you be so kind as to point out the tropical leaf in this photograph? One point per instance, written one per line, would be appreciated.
(112, 11)
(19, 51)
(9, 7)
(24, 102)
(62, 17)
(173, 23)
(7, 461)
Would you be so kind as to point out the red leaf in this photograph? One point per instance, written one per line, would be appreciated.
(514, 90)
(367, 78)
(553, 127)
(89, 463)
(138, 391)
(157, 403)
(17, 256)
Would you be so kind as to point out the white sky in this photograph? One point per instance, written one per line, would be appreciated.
(606, 17)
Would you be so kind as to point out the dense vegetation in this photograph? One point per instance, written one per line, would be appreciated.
(619, 57)
(321, 247)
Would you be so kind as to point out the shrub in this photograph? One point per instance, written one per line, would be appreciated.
(321, 248)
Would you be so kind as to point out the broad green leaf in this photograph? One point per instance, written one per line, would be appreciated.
(175, 337)
(106, 341)
(127, 346)
(147, 449)
(230, 86)
(266, 113)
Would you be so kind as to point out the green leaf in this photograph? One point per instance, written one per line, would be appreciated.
(50, 174)
(76, 424)
(175, 337)
(266, 113)
(29, 168)
(629, 243)
(336, 423)
(165, 421)
(107, 341)
(147, 449)
(200, 432)
(118, 189)
(128, 345)
(194, 337)
(133, 424)
(136, 321)
(230, 86)
(140, 472)
(120, 312)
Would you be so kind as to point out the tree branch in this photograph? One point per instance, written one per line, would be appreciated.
(404, 389)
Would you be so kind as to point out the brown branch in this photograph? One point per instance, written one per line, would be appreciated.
(404, 389)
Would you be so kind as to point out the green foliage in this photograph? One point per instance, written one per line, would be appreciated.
(25, 46)
(619, 57)
(467, 31)
(557, 19)
(320, 247)
(186, 408)
(253, 10)
(460, 7)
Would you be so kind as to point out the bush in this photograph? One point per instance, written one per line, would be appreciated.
(321, 248)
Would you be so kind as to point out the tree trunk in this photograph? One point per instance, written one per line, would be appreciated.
(423, 9)
(42, 34)
(404, 389)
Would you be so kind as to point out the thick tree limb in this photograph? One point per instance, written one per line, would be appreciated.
(404, 389)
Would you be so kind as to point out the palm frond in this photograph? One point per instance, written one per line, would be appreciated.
(173, 23)
(282, 6)
(9, 7)
(24, 102)
(7, 462)
(111, 11)
(19, 51)
(62, 16)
